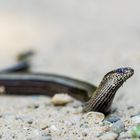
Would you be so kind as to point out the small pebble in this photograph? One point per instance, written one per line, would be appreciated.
(128, 122)
(125, 135)
(84, 134)
(46, 136)
(30, 121)
(108, 136)
(118, 127)
(130, 107)
(94, 117)
(54, 129)
(61, 99)
(45, 127)
(136, 119)
(33, 106)
(78, 110)
(112, 118)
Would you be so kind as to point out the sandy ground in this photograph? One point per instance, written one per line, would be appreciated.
(81, 39)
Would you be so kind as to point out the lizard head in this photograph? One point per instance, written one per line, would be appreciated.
(119, 76)
(102, 98)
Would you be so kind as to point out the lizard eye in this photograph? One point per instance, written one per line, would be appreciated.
(120, 70)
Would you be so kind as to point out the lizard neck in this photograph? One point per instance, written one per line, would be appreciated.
(102, 98)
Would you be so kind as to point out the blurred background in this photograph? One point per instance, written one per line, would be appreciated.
(81, 39)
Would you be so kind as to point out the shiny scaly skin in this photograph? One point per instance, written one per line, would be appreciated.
(95, 98)
(102, 98)
(45, 84)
